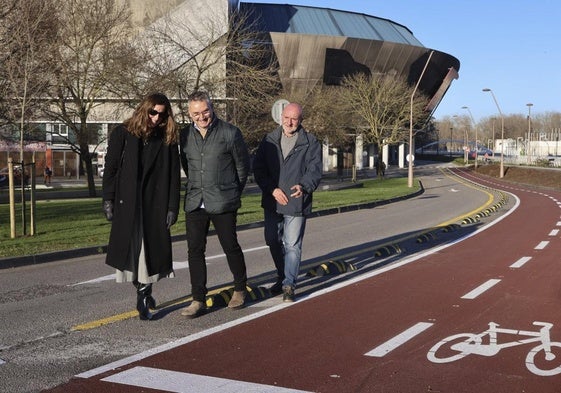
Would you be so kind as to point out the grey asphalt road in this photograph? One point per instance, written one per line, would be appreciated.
(69, 316)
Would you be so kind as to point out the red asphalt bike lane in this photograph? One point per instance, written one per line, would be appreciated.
(378, 333)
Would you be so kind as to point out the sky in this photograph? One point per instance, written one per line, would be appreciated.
(512, 47)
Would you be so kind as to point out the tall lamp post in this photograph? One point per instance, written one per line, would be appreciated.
(529, 105)
(502, 171)
(410, 171)
(475, 126)
(450, 149)
(493, 119)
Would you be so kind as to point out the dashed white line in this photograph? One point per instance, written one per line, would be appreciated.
(177, 265)
(542, 245)
(480, 289)
(520, 262)
(554, 232)
(205, 333)
(398, 340)
(179, 382)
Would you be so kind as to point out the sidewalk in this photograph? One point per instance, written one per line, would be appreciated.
(62, 188)
(61, 182)
(330, 181)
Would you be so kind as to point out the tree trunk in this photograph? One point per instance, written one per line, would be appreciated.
(86, 159)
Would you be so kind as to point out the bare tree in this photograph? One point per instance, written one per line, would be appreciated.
(94, 55)
(251, 77)
(323, 115)
(7, 8)
(379, 107)
(30, 42)
(227, 57)
(548, 121)
(27, 36)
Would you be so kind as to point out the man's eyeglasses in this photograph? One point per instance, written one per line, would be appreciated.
(153, 112)
(197, 115)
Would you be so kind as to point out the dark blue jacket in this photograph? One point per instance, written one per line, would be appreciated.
(303, 166)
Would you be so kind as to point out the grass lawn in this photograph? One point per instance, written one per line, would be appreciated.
(77, 223)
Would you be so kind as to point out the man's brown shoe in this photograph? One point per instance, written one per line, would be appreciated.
(194, 310)
(237, 300)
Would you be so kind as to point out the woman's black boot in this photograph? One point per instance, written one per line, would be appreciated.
(144, 301)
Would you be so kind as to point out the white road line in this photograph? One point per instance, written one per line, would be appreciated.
(182, 341)
(400, 339)
(177, 265)
(2, 362)
(554, 232)
(520, 262)
(480, 289)
(542, 245)
(179, 382)
(558, 223)
(205, 333)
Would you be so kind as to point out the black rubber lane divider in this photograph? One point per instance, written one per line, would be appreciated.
(387, 250)
(331, 268)
(425, 237)
(222, 298)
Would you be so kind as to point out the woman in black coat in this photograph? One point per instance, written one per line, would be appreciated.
(141, 184)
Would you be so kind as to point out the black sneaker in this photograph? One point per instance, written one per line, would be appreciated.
(287, 294)
(276, 288)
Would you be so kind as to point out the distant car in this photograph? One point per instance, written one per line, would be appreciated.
(481, 153)
(4, 177)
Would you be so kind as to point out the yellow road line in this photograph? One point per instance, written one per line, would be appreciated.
(133, 314)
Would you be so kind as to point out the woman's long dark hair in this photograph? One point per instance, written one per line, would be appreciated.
(139, 124)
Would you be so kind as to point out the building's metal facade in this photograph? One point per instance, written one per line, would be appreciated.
(313, 46)
(321, 45)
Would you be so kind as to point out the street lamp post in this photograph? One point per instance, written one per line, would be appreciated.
(466, 146)
(529, 105)
(450, 145)
(410, 171)
(502, 170)
(475, 126)
(493, 137)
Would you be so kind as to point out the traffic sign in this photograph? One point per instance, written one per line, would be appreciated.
(276, 110)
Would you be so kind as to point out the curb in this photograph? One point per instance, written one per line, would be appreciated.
(28, 260)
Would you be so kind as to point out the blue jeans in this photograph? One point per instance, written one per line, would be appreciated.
(284, 235)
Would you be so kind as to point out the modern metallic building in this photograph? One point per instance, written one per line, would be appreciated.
(321, 46)
(313, 46)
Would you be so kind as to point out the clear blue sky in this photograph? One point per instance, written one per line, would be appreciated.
(510, 46)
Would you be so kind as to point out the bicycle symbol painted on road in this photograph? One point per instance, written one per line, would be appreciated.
(460, 345)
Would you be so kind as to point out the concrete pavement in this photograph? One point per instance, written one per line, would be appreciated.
(77, 188)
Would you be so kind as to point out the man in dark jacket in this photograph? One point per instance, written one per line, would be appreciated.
(287, 167)
(215, 159)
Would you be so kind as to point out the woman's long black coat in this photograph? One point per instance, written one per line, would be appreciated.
(156, 187)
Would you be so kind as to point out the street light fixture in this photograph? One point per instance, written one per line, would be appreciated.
(450, 145)
(529, 105)
(410, 171)
(493, 119)
(475, 126)
(502, 171)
